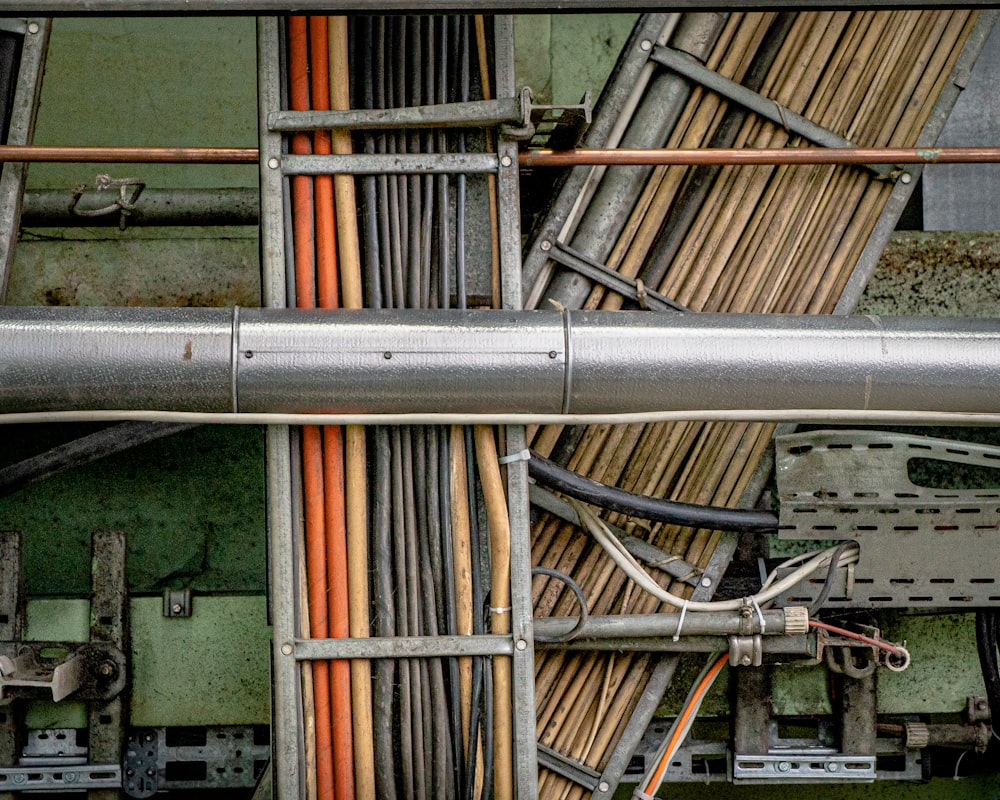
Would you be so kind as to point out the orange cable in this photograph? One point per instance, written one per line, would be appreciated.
(333, 444)
(312, 445)
(686, 713)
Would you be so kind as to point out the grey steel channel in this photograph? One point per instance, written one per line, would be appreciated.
(21, 130)
(489, 362)
(287, 740)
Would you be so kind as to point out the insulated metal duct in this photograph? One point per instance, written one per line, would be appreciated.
(489, 362)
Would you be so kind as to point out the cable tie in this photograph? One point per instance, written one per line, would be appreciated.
(642, 795)
(664, 561)
(524, 455)
(501, 610)
(680, 622)
(760, 614)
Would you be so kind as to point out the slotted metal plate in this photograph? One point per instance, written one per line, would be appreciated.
(920, 546)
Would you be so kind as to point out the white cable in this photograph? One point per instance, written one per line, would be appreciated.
(907, 417)
(773, 588)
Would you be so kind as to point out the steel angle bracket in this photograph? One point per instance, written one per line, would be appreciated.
(806, 766)
(919, 546)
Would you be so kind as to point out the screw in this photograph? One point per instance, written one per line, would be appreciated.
(706, 581)
(18, 779)
(906, 177)
(980, 705)
(520, 644)
(33, 27)
(248, 354)
(645, 45)
(546, 245)
(745, 660)
(286, 649)
(603, 786)
(70, 777)
(130, 773)
(106, 669)
(273, 163)
(150, 772)
(552, 354)
(386, 355)
(149, 737)
(505, 161)
(784, 766)
(177, 608)
(832, 766)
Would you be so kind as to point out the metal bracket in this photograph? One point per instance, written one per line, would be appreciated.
(177, 602)
(579, 773)
(630, 288)
(806, 766)
(919, 546)
(61, 778)
(688, 66)
(87, 671)
(746, 651)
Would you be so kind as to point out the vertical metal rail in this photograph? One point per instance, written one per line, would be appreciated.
(12, 625)
(106, 722)
(508, 212)
(24, 111)
(287, 765)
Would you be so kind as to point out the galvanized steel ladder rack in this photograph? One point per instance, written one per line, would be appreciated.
(290, 651)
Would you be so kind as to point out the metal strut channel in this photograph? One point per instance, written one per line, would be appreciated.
(21, 132)
(690, 67)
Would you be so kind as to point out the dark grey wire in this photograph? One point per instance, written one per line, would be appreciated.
(573, 632)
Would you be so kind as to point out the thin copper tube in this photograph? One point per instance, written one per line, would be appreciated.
(129, 155)
(536, 158)
(328, 292)
(312, 439)
(761, 156)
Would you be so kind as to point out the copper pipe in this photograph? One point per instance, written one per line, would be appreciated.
(537, 158)
(765, 156)
(133, 155)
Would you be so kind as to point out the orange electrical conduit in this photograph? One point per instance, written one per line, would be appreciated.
(328, 287)
(312, 442)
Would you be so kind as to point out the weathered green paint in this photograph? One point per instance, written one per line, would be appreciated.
(192, 507)
(211, 668)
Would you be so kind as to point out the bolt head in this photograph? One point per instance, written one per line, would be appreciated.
(645, 45)
(980, 705)
(906, 177)
(107, 669)
(286, 649)
(273, 163)
(832, 766)
(603, 786)
(784, 766)
(506, 161)
(745, 661)
(520, 644)
(177, 608)
(706, 582)
(545, 245)
(33, 27)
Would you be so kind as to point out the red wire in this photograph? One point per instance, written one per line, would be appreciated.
(882, 645)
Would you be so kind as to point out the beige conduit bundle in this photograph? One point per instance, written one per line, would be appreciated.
(766, 239)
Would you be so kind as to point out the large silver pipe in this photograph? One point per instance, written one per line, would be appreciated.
(490, 362)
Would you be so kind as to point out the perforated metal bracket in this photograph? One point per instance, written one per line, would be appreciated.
(808, 766)
(919, 546)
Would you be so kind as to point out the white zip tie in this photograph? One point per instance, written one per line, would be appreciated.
(760, 614)
(524, 455)
(642, 795)
(680, 622)
(500, 610)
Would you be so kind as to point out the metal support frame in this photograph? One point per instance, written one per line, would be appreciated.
(12, 628)
(693, 69)
(106, 721)
(21, 131)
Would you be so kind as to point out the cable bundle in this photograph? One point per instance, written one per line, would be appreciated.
(734, 239)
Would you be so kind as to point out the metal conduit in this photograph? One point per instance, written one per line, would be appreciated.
(383, 361)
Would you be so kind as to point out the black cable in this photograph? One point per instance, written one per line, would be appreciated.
(688, 515)
(573, 632)
(824, 594)
(987, 624)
